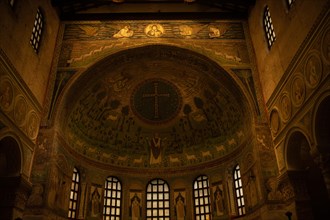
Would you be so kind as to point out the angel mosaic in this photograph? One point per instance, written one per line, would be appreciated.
(189, 30)
(217, 30)
(124, 32)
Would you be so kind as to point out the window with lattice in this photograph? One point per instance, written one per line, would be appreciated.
(73, 203)
(112, 199)
(238, 187)
(269, 28)
(202, 202)
(37, 31)
(158, 200)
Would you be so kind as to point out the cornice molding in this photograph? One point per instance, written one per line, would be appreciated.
(19, 80)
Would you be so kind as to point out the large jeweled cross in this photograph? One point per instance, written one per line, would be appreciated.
(156, 95)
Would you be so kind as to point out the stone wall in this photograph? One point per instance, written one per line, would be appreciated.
(291, 25)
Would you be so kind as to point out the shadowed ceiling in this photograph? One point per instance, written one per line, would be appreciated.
(155, 107)
(152, 9)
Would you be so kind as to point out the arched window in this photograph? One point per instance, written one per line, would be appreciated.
(202, 198)
(73, 204)
(238, 187)
(112, 199)
(37, 30)
(269, 28)
(158, 200)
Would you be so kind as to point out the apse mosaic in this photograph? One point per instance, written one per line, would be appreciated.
(151, 111)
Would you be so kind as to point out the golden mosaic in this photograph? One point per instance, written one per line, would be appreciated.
(155, 106)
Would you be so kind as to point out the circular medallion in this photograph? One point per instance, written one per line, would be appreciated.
(154, 30)
(156, 101)
(274, 121)
(313, 70)
(286, 107)
(6, 94)
(32, 126)
(298, 90)
(20, 110)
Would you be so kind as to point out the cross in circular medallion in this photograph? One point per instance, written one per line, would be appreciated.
(156, 101)
(155, 95)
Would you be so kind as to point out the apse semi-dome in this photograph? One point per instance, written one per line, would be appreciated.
(155, 107)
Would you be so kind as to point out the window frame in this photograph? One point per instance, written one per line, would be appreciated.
(200, 186)
(37, 30)
(268, 27)
(158, 205)
(238, 191)
(111, 196)
(74, 195)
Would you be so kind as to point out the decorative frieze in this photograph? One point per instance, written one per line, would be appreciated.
(16, 102)
(304, 78)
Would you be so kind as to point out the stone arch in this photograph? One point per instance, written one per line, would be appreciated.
(85, 79)
(10, 157)
(15, 188)
(214, 58)
(305, 176)
(321, 135)
(297, 148)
